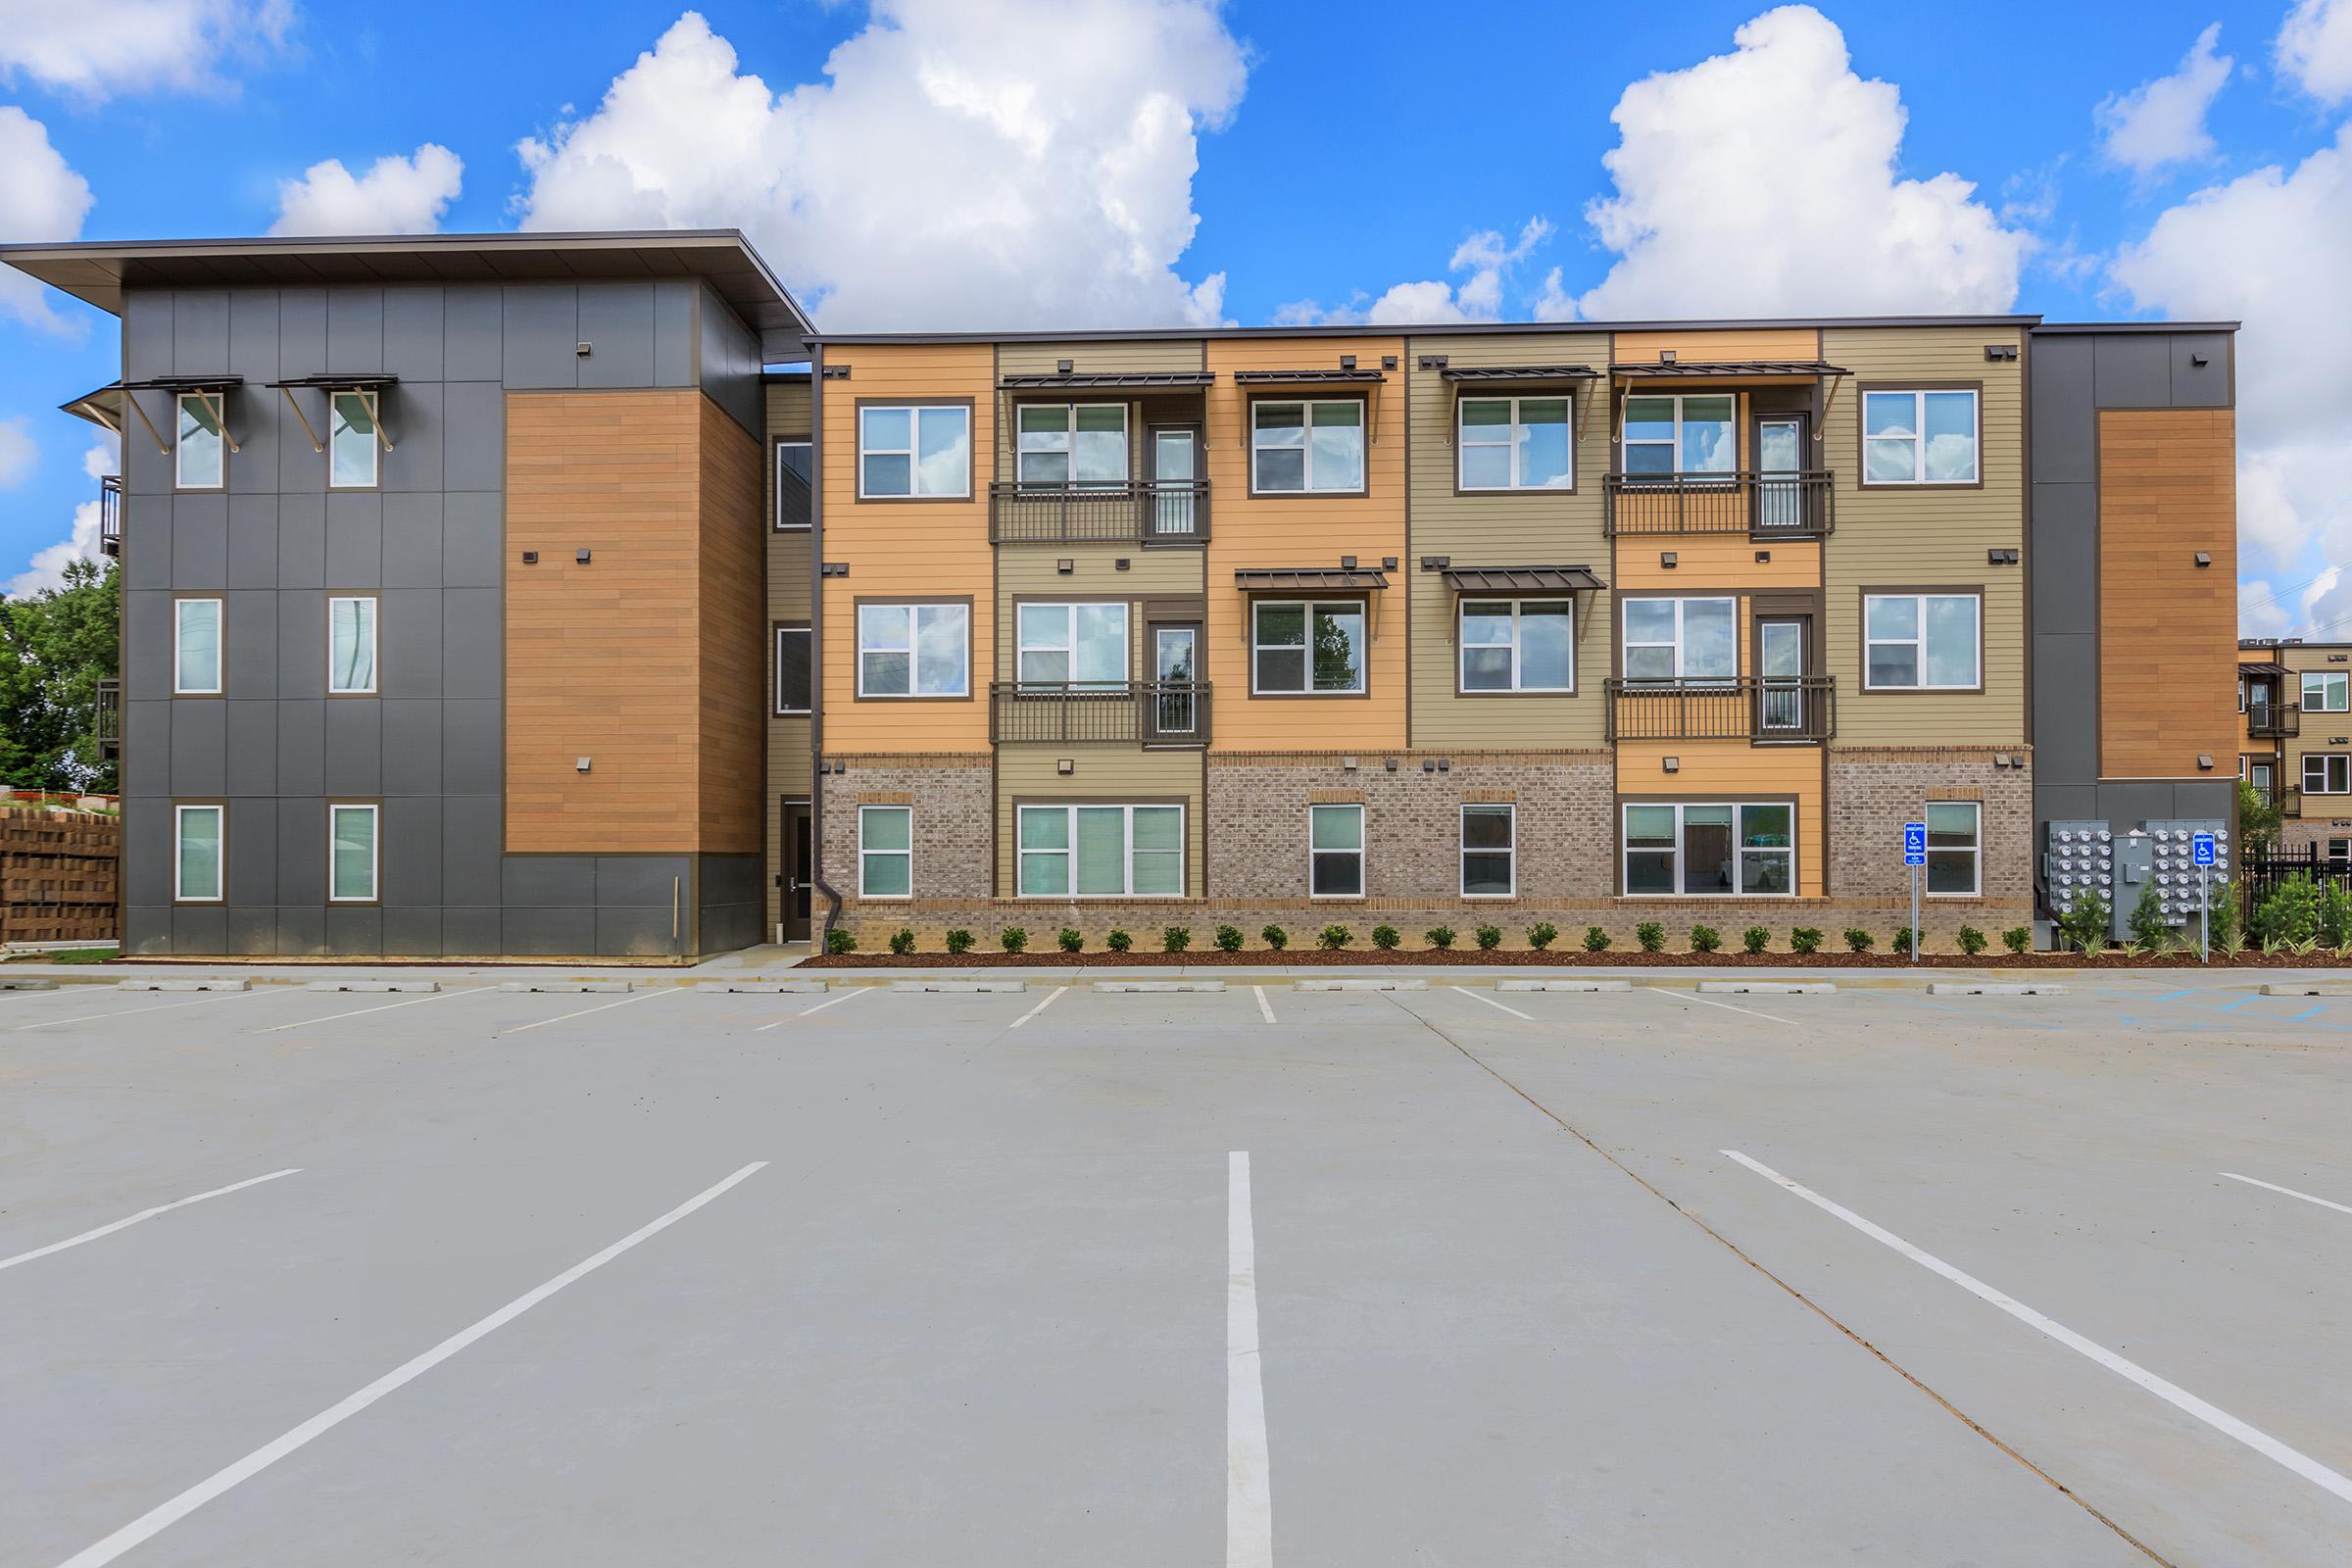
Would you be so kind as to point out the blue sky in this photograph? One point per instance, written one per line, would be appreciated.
(1145, 161)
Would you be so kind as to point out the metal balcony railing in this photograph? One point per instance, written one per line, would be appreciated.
(110, 514)
(2291, 801)
(1168, 511)
(1746, 708)
(1145, 712)
(2273, 722)
(1794, 505)
(110, 718)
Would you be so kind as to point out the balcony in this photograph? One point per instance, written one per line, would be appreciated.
(2273, 722)
(1764, 710)
(110, 718)
(1137, 712)
(2291, 801)
(1166, 512)
(110, 514)
(1788, 505)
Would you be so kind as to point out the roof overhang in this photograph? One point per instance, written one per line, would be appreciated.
(1521, 580)
(1136, 381)
(1306, 579)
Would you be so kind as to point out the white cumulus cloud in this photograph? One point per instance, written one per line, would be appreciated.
(2162, 122)
(48, 567)
(2314, 49)
(1485, 261)
(963, 164)
(396, 196)
(95, 49)
(19, 454)
(41, 199)
(1764, 182)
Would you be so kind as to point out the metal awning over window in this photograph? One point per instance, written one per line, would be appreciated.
(1344, 376)
(1506, 375)
(1701, 369)
(212, 389)
(2263, 672)
(102, 408)
(371, 382)
(1307, 579)
(1520, 581)
(1136, 381)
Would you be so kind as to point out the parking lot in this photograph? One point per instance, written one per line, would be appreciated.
(1447, 1276)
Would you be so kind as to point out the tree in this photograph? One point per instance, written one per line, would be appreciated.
(2257, 818)
(56, 646)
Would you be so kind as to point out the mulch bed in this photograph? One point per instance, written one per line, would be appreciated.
(1562, 957)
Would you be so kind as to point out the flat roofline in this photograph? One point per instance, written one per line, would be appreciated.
(1147, 334)
(2063, 327)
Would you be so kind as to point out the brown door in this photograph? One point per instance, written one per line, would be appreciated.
(799, 870)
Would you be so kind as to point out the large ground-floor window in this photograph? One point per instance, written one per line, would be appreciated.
(1102, 852)
(1711, 847)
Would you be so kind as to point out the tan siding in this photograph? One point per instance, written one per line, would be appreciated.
(1029, 573)
(1732, 770)
(1733, 343)
(1910, 538)
(1716, 561)
(1089, 358)
(1119, 775)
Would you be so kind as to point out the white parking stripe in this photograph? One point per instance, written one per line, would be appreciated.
(144, 1213)
(1492, 1003)
(583, 1012)
(850, 995)
(356, 1013)
(161, 1518)
(2341, 1208)
(2180, 1399)
(1248, 1494)
(1265, 1009)
(92, 1017)
(1040, 1007)
(1692, 996)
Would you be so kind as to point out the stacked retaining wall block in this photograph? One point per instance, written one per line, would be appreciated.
(59, 874)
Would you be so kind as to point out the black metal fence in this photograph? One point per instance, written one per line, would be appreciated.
(2261, 870)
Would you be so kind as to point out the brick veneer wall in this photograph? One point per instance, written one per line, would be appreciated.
(1873, 790)
(953, 806)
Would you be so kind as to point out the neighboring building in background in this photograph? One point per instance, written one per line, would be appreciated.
(2297, 742)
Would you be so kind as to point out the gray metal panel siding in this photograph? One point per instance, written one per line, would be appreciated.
(542, 335)
(674, 331)
(618, 325)
(730, 365)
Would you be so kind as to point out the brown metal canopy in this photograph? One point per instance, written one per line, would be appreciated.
(1140, 379)
(2272, 669)
(1305, 378)
(345, 382)
(1519, 581)
(1293, 580)
(1519, 373)
(1662, 369)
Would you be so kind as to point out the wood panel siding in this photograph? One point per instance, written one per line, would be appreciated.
(637, 659)
(1118, 775)
(1275, 531)
(1719, 345)
(1732, 770)
(1891, 536)
(2168, 489)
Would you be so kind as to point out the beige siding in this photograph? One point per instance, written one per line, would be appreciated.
(790, 589)
(1721, 344)
(1114, 774)
(1927, 538)
(1093, 359)
(1552, 528)
(1094, 576)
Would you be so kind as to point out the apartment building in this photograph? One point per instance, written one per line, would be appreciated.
(569, 595)
(2294, 699)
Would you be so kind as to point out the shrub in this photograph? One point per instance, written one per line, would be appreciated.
(1705, 939)
(2221, 929)
(1755, 939)
(1971, 940)
(1440, 937)
(839, 940)
(1804, 939)
(2288, 915)
(959, 941)
(1489, 937)
(2335, 914)
(2018, 938)
(902, 941)
(1175, 938)
(1650, 936)
(1543, 934)
(1595, 940)
(1858, 940)
(1071, 939)
(1275, 937)
(2146, 922)
(1014, 939)
(1386, 938)
(2085, 926)
(1229, 938)
(1332, 938)
(1118, 942)
(1902, 938)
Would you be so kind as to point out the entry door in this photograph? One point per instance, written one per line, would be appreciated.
(2264, 779)
(799, 870)
(1175, 468)
(1781, 664)
(1780, 458)
(1176, 666)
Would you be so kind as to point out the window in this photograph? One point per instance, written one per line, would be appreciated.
(1515, 444)
(2327, 773)
(1511, 645)
(1307, 646)
(1079, 645)
(197, 835)
(885, 851)
(1490, 852)
(1954, 853)
(1919, 642)
(1669, 436)
(1335, 853)
(1710, 848)
(1072, 443)
(351, 442)
(918, 451)
(351, 853)
(1102, 852)
(1920, 437)
(915, 650)
(794, 471)
(350, 645)
(1682, 639)
(793, 649)
(1298, 447)
(197, 461)
(2325, 690)
(196, 658)
(2339, 850)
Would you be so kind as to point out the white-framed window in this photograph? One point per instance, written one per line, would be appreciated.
(1956, 849)
(1307, 646)
(1667, 436)
(196, 647)
(350, 645)
(1075, 444)
(886, 852)
(1490, 851)
(1921, 642)
(1710, 848)
(919, 451)
(1925, 436)
(1300, 447)
(352, 856)
(915, 650)
(1102, 852)
(199, 455)
(1514, 444)
(1071, 645)
(2326, 691)
(796, 470)
(2340, 849)
(199, 844)
(2327, 772)
(1335, 853)
(1681, 639)
(794, 647)
(351, 440)
(2241, 694)
(1518, 645)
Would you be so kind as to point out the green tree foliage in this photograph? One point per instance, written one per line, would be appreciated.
(2257, 820)
(55, 647)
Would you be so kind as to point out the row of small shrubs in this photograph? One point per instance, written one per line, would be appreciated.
(2333, 913)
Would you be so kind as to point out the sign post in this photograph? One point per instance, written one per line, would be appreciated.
(1915, 856)
(2202, 846)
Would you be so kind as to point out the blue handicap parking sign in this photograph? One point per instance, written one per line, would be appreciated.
(1915, 843)
(2202, 843)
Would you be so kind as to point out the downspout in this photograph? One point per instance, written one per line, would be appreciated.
(817, 645)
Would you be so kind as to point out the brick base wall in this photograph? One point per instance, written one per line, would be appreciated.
(954, 800)
(1873, 790)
